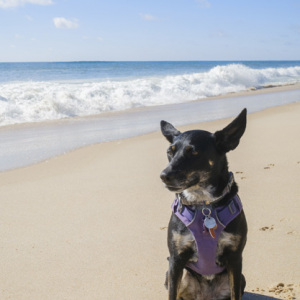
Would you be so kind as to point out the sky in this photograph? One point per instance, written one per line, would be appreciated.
(137, 30)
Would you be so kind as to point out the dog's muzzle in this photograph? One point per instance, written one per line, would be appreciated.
(177, 181)
(171, 180)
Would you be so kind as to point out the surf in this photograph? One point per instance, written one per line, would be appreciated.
(37, 101)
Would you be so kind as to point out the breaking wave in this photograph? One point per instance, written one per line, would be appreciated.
(36, 101)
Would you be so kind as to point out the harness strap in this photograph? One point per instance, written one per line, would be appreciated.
(207, 246)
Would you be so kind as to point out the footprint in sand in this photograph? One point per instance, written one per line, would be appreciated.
(293, 232)
(269, 166)
(267, 228)
(240, 173)
(281, 288)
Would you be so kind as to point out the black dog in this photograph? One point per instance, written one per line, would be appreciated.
(207, 230)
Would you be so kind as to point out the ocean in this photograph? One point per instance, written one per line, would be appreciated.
(94, 102)
(37, 92)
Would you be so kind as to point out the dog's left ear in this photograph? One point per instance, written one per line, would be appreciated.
(169, 131)
(228, 138)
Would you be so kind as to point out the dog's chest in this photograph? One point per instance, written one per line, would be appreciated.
(206, 247)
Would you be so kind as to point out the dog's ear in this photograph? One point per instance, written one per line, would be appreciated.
(228, 138)
(169, 131)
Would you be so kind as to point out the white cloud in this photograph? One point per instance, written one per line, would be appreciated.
(63, 23)
(16, 3)
(147, 17)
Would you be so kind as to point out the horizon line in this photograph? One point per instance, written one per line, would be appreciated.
(112, 61)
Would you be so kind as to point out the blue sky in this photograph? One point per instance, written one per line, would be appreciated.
(72, 30)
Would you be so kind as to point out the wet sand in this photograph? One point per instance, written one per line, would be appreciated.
(29, 143)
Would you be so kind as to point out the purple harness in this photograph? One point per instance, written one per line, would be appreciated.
(206, 245)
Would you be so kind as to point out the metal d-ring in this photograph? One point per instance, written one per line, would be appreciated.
(203, 212)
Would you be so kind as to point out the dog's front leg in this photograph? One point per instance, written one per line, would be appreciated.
(174, 276)
(235, 276)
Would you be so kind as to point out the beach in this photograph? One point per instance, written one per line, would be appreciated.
(33, 142)
(92, 223)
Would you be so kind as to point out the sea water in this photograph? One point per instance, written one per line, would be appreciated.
(38, 92)
(35, 92)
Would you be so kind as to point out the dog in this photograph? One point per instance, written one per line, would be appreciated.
(207, 231)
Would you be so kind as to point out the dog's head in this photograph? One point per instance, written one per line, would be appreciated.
(197, 158)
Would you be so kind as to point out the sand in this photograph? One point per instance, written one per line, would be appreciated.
(91, 224)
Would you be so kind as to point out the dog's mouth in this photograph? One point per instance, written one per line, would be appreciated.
(174, 188)
(181, 186)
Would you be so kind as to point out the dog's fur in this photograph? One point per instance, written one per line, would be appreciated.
(198, 172)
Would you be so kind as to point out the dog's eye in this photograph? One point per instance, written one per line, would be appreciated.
(171, 150)
(191, 150)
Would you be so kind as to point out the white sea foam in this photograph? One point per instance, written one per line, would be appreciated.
(39, 101)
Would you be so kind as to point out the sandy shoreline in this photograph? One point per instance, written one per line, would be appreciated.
(91, 224)
(248, 92)
(30, 143)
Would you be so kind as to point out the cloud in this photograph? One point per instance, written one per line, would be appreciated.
(16, 3)
(148, 17)
(63, 23)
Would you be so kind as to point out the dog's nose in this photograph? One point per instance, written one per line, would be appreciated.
(164, 176)
(167, 176)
